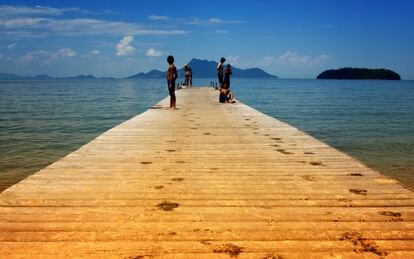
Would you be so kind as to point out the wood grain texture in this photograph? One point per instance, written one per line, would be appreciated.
(208, 180)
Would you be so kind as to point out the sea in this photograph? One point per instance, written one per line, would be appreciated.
(372, 120)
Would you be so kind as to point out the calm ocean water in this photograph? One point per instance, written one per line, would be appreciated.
(41, 121)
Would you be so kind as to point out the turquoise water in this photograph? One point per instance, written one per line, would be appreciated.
(41, 121)
(370, 119)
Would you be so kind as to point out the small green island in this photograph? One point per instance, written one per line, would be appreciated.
(359, 73)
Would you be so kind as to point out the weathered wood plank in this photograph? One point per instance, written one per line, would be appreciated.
(240, 184)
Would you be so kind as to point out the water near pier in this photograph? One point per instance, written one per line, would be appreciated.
(371, 120)
(41, 121)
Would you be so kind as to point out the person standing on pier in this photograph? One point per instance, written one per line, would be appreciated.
(191, 75)
(220, 71)
(226, 85)
(187, 75)
(171, 76)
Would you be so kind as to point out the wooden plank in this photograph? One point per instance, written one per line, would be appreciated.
(206, 181)
(245, 255)
(210, 225)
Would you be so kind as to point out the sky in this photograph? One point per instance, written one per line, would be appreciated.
(291, 39)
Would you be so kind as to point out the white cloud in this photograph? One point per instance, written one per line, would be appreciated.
(210, 21)
(35, 55)
(12, 45)
(41, 27)
(158, 18)
(296, 59)
(123, 48)
(233, 60)
(220, 31)
(9, 10)
(293, 58)
(92, 53)
(321, 58)
(42, 21)
(151, 52)
(215, 20)
(23, 22)
(66, 52)
(45, 57)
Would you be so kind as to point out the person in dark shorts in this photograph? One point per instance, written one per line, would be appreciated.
(191, 75)
(220, 71)
(187, 75)
(226, 94)
(171, 76)
(227, 75)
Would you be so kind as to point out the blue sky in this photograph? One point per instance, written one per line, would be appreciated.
(291, 39)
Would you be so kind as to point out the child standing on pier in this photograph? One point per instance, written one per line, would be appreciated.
(171, 76)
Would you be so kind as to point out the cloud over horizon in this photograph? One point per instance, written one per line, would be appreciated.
(123, 48)
(45, 57)
(293, 58)
(151, 52)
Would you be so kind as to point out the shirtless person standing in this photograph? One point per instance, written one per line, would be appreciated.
(171, 76)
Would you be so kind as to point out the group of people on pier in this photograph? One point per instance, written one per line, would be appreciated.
(226, 94)
(188, 75)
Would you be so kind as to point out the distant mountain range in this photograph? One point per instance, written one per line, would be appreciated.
(207, 69)
(8, 76)
(201, 69)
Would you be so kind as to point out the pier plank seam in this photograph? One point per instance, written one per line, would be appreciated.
(208, 180)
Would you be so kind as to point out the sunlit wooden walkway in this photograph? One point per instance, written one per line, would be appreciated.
(208, 180)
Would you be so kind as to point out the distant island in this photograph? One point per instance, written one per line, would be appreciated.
(201, 69)
(359, 73)
(207, 69)
(9, 76)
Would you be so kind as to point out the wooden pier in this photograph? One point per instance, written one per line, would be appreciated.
(208, 180)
